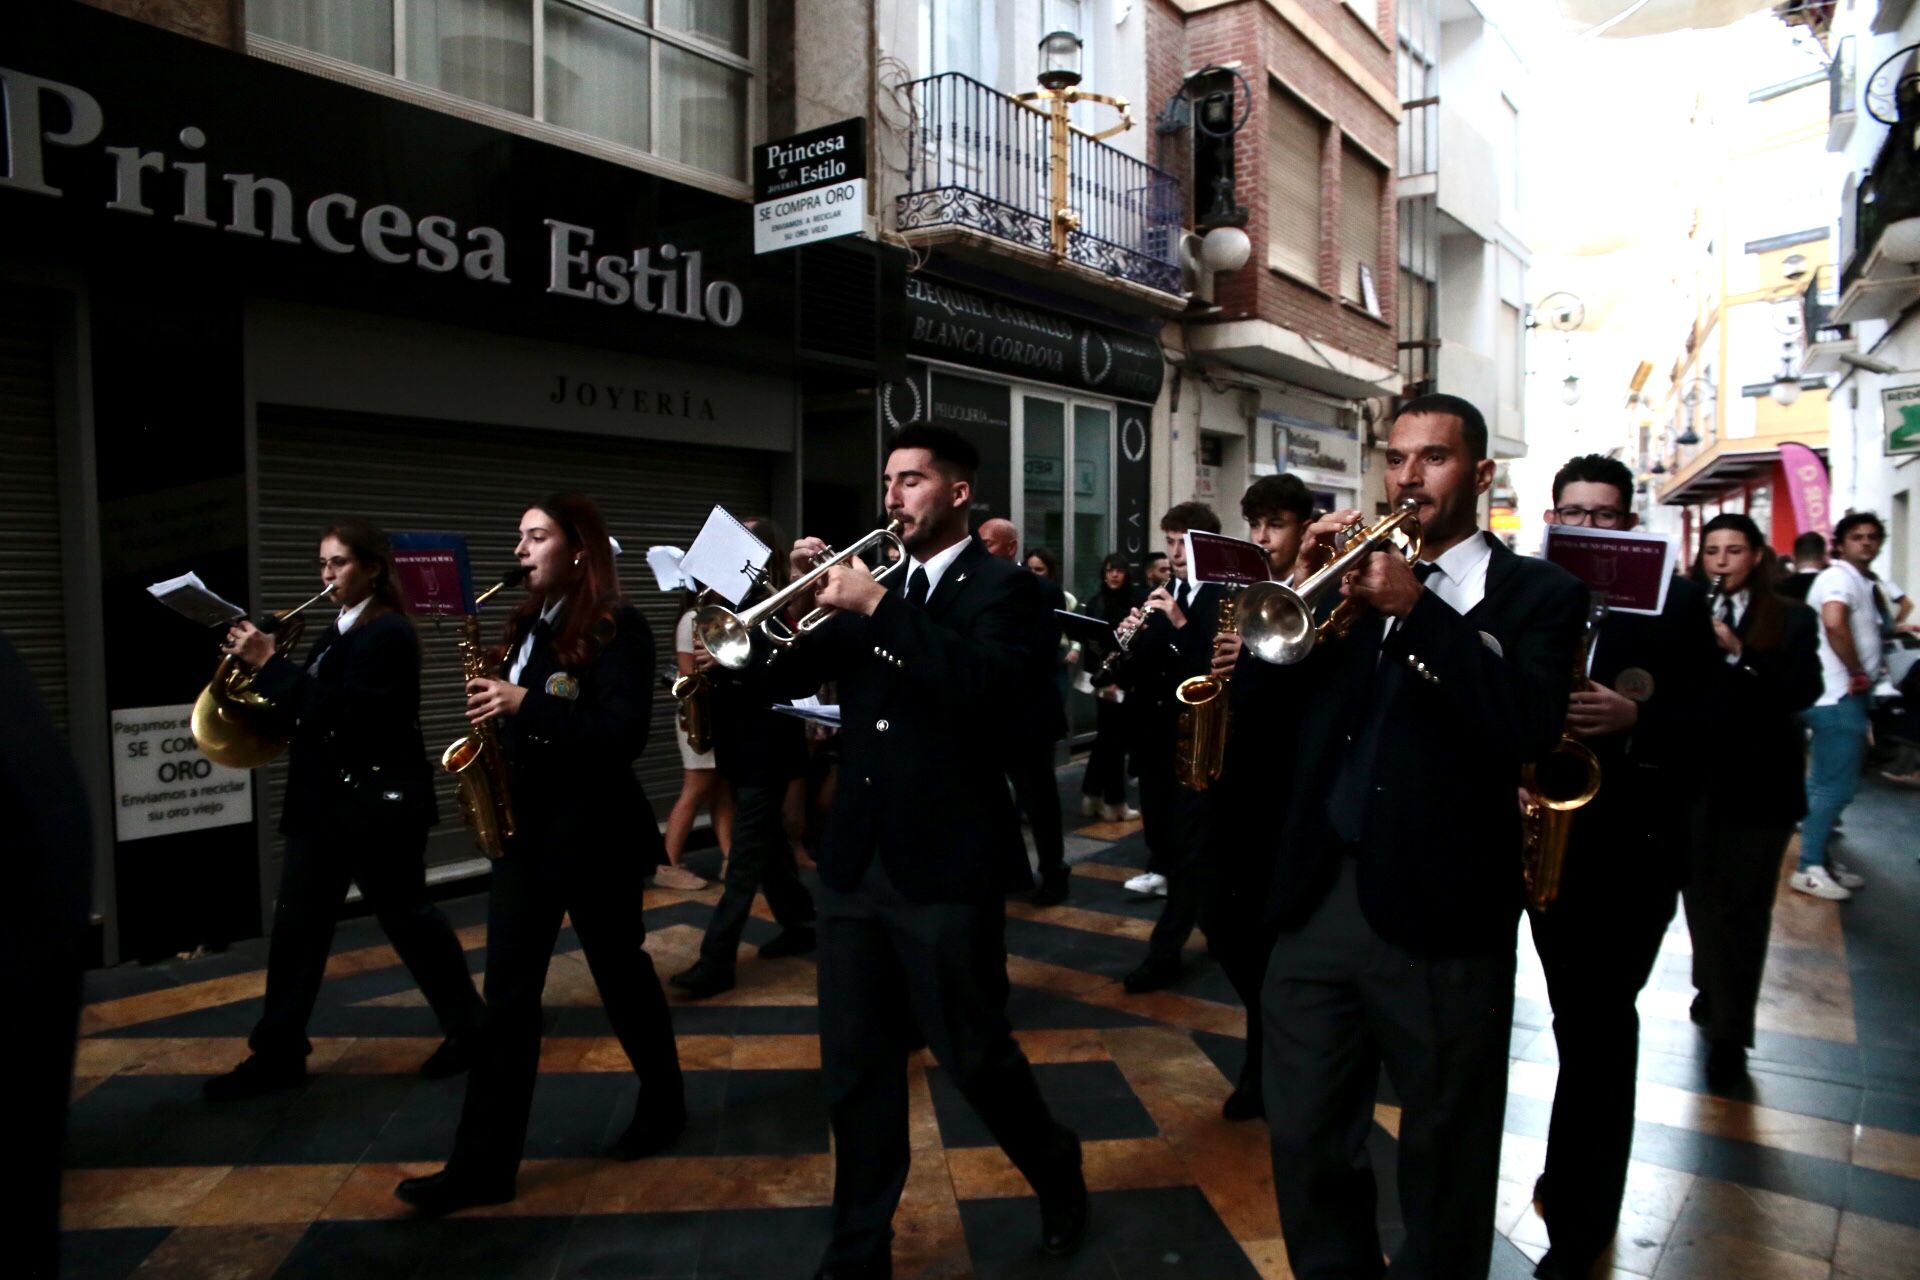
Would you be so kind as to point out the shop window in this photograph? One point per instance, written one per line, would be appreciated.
(668, 78)
(1295, 136)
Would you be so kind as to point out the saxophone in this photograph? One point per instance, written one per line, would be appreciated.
(694, 692)
(1204, 714)
(1562, 783)
(476, 760)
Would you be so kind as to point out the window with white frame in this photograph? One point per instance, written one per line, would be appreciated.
(958, 35)
(668, 78)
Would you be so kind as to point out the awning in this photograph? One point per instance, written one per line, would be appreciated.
(1728, 470)
(1629, 18)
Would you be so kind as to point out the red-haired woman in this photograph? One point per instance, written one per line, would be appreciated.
(1755, 787)
(358, 804)
(574, 698)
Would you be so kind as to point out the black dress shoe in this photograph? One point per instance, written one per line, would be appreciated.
(454, 1055)
(1700, 1010)
(1727, 1070)
(1052, 890)
(1244, 1103)
(438, 1194)
(1152, 975)
(1064, 1210)
(1557, 1264)
(703, 980)
(797, 941)
(258, 1074)
(653, 1130)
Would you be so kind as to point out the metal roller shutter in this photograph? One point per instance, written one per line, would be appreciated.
(410, 475)
(32, 590)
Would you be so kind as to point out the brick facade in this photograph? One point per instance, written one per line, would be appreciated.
(1272, 51)
(219, 22)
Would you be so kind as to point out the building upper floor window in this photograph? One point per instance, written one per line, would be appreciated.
(669, 78)
(1363, 184)
(1295, 136)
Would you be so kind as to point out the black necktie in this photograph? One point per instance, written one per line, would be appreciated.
(1180, 595)
(1425, 569)
(917, 586)
(1726, 610)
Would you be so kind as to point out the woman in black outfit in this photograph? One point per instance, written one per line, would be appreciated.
(1104, 788)
(574, 698)
(359, 800)
(759, 752)
(1754, 788)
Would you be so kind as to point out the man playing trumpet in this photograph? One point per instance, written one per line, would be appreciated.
(1395, 839)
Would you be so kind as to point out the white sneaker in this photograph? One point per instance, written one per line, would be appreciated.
(1089, 806)
(1149, 884)
(1818, 884)
(1844, 876)
(1119, 813)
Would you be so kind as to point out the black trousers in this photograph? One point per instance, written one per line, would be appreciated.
(1106, 775)
(1173, 819)
(1036, 790)
(1339, 1002)
(390, 868)
(602, 888)
(887, 966)
(1597, 944)
(761, 860)
(1730, 888)
(1233, 913)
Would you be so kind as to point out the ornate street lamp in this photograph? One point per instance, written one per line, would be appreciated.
(1059, 90)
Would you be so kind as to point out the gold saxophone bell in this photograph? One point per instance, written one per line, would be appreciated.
(1562, 782)
(728, 635)
(694, 693)
(229, 718)
(1276, 621)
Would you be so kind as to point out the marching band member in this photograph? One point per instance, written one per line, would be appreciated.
(1388, 816)
(358, 804)
(760, 752)
(1103, 789)
(1639, 712)
(1174, 641)
(1754, 783)
(575, 695)
(932, 667)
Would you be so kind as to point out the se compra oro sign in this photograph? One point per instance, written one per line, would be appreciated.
(812, 186)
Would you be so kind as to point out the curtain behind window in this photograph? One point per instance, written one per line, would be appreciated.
(597, 77)
(356, 31)
(479, 49)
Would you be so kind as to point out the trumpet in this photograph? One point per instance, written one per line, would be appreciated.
(1276, 621)
(228, 715)
(728, 635)
(475, 758)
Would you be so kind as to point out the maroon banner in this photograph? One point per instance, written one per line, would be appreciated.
(1631, 569)
(1231, 562)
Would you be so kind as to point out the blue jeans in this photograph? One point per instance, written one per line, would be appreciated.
(1839, 748)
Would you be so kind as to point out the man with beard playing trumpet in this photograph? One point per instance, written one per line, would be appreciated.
(1395, 843)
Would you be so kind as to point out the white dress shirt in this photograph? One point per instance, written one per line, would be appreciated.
(937, 566)
(547, 616)
(1737, 607)
(1460, 579)
(344, 623)
(1842, 582)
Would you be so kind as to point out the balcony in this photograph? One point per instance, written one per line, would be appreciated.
(1882, 275)
(1843, 100)
(979, 170)
(1825, 341)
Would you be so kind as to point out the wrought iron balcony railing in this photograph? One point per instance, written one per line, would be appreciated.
(1890, 193)
(978, 159)
(1817, 302)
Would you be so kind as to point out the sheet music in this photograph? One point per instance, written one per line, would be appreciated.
(191, 598)
(726, 557)
(665, 563)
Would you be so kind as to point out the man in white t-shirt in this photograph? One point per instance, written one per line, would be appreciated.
(1845, 597)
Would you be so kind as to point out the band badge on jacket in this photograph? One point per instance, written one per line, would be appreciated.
(1635, 683)
(562, 685)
